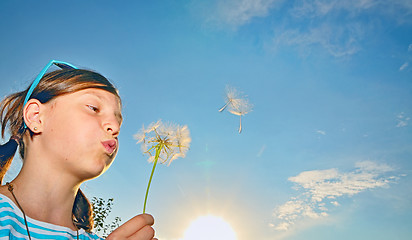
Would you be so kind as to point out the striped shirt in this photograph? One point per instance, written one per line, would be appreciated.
(12, 226)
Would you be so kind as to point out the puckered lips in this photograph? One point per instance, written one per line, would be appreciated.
(110, 146)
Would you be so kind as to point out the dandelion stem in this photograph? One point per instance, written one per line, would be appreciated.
(158, 150)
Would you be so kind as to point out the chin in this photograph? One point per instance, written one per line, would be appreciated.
(96, 166)
(95, 171)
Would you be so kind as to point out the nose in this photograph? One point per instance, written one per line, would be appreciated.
(112, 126)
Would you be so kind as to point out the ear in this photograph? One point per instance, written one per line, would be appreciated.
(32, 112)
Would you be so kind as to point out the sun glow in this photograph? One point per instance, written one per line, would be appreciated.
(208, 228)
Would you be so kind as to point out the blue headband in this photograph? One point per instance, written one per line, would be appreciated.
(62, 65)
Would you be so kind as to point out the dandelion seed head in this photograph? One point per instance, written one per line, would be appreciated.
(172, 139)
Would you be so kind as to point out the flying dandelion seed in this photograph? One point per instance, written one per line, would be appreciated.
(232, 96)
(237, 104)
(164, 142)
(240, 108)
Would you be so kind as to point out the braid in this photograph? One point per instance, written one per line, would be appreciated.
(11, 109)
(83, 212)
(7, 152)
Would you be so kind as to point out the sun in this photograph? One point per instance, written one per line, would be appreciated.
(209, 228)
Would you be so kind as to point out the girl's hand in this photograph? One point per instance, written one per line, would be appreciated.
(137, 228)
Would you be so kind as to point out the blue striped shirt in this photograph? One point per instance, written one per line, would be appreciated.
(12, 226)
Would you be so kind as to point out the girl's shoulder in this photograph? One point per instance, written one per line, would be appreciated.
(12, 225)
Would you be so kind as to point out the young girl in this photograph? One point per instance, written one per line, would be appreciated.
(66, 126)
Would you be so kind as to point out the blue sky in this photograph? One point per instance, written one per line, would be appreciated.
(325, 153)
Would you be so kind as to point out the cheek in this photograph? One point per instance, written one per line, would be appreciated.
(67, 131)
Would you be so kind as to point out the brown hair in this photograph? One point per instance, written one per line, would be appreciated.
(52, 85)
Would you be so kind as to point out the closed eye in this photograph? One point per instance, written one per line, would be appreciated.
(93, 108)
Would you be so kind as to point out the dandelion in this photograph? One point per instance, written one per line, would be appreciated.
(164, 142)
(237, 104)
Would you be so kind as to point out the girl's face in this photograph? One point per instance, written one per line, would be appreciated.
(80, 132)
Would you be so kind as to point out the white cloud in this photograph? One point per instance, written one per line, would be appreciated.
(335, 203)
(402, 120)
(336, 25)
(410, 47)
(395, 9)
(333, 25)
(338, 41)
(405, 65)
(402, 124)
(369, 166)
(317, 8)
(321, 188)
(239, 12)
(321, 132)
(236, 13)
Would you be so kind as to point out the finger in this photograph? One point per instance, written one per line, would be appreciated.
(146, 233)
(133, 225)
